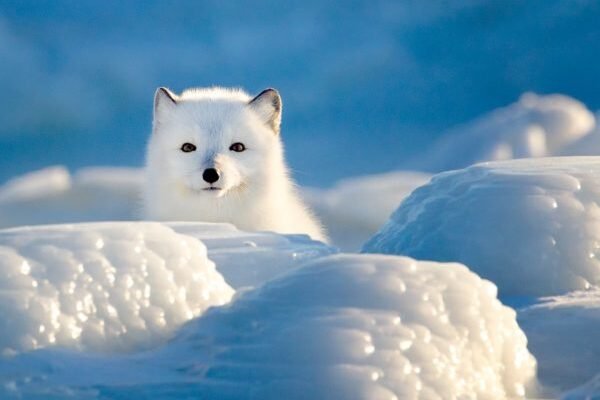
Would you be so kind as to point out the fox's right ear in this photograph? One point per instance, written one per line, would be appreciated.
(164, 100)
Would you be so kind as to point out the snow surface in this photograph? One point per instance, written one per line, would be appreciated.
(531, 226)
(53, 195)
(102, 287)
(534, 126)
(249, 259)
(355, 208)
(562, 333)
(344, 326)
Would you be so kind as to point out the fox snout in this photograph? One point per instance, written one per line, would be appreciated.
(210, 175)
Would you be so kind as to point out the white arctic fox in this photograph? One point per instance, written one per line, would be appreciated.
(215, 155)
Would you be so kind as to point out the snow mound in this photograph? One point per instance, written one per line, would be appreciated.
(342, 327)
(367, 327)
(355, 208)
(564, 363)
(101, 287)
(52, 195)
(265, 255)
(531, 226)
(534, 126)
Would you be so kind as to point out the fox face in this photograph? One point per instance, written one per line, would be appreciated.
(215, 142)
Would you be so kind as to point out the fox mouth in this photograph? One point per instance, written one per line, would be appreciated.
(211, 188)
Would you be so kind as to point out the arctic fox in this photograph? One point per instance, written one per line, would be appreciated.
(215, 155)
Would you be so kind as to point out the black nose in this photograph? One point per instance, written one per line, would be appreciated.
(210, 175)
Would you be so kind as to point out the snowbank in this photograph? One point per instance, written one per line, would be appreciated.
(355, 208)
(368, 327)
(530, 226)
(562, 332)
(342, 327)
(53, 195)
(101, 287)
(534, 126)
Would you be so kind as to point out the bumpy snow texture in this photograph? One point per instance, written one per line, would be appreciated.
(102, 287)
(371, 327)
(344, 326)
(531, 226)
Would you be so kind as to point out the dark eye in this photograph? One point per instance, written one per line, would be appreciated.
(238, 147)
(188, 147)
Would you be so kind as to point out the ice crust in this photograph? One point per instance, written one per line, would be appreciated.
(534, 126)
(103, 287)
(341, 327)
(530, 226)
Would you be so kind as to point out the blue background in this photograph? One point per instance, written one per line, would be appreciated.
(367, 85)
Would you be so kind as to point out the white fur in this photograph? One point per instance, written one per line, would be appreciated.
(256, 190)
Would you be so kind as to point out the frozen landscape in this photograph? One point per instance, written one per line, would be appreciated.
(504, 268)
(451, 149)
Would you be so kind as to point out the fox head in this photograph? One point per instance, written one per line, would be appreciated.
(214, 142)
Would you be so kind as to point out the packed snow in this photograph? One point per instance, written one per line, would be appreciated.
(530, 226)
(343, 326)
(265, 255)
(534, 126)
(103, 287)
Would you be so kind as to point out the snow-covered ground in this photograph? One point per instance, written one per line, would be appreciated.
(532, 227)
(103, 287)
(544, 210)
(537, 218)
(345, 326)
(95, 311)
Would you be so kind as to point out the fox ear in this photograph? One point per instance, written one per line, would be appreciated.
(164, 100)
(268, 106)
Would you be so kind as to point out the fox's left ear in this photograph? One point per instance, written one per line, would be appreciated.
(268, 106)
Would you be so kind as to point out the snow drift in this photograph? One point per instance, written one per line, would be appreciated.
(370, 327)
(355, 208)
(534, 126)
(101, 287)
(344, 326)
(530, 226)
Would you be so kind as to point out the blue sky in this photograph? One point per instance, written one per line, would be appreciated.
(366, 84)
